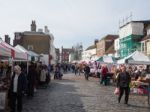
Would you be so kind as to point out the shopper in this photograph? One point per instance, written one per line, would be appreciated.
(32, 74)
(87, 72)
(104, 73)
(17, 87)
(123, 81)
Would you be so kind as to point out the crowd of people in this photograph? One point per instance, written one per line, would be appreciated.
(26, 83)
(123, 76)
(38, 75)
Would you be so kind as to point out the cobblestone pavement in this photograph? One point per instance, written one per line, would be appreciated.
(74, 94)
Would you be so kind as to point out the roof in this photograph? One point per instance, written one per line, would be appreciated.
(67, 50)
(142, 21)
(110, 36)
(91, 47)
(146, 38)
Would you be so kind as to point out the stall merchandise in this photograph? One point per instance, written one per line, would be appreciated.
(5, 74)
(141, 86)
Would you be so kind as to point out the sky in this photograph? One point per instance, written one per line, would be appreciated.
(70, 21)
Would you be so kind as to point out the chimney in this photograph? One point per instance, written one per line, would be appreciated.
(33, 26)
(96, 41)
(46, 30)
(7, 39)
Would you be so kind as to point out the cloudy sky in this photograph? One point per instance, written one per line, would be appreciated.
(70, 21)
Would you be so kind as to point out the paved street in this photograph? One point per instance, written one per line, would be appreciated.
(74, 94)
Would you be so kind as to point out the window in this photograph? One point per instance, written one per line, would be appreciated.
(30, 47)
(143, 47)
(148, 32)
(18, 37)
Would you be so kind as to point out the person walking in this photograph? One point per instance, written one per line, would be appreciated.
(17, 87)
(32, 74)
(104, 72)
(123, 81)
(76, 69)
(43, 76)
(87, 72)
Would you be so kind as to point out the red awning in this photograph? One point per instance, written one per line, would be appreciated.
(4, 51)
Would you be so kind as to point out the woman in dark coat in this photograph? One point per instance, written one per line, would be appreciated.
(17, 87)
(123, 81)
(32, 74)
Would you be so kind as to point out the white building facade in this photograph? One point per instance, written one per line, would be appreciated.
(88, 54)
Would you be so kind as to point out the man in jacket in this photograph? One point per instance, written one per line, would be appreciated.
(17, 87)
(32, 76)
(87, 72)
(123, 81)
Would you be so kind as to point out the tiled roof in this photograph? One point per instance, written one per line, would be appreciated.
(110, 36)
(34, 33)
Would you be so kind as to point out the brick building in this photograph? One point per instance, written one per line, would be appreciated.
(65, 52)
(37, 41)
(57, 55)
(106, 45)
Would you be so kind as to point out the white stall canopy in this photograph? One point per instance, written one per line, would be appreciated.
(135, 58)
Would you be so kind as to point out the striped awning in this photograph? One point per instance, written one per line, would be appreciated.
(4, 52)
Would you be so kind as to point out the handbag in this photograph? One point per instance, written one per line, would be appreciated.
(117, 91)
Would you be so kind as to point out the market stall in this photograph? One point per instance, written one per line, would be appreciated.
(9, 55)
(140, 83)
(107, 59)
(135, 58)
(15, 53)
(5, 74)
(141, 86)
(4, 52)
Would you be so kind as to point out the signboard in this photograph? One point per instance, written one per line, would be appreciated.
(2, 100)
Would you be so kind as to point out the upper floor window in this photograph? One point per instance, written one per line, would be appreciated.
(148, 32)
(30, 47)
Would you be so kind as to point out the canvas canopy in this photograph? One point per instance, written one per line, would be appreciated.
(15, 53)
(30, 53)
(107, 59)
(33, 54)
(135, 58)
(4, 52)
